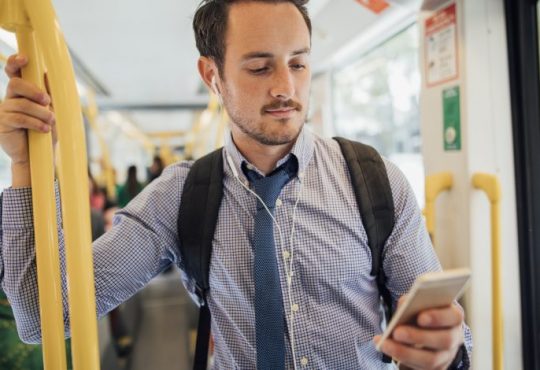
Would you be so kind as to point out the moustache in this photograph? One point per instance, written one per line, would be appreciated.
(282, 105)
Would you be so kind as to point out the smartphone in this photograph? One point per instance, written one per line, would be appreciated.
(431, 290)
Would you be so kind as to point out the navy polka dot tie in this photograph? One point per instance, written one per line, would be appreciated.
(269, 315)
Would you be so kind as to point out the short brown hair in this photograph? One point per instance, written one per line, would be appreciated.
(210, 25)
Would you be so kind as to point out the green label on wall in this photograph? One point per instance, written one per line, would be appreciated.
(452, 119)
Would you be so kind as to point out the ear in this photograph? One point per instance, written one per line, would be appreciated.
(208, 71)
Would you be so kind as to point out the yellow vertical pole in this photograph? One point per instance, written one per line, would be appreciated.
(44, 213)
(498, 321)
(73, 182)
(491, 186)
(91, 114)
(435, 184)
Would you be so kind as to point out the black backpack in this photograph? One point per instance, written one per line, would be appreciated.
(201, 200)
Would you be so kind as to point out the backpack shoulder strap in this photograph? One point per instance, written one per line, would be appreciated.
(374, 198)
(373, 195)
(198, 214)
(197, 220)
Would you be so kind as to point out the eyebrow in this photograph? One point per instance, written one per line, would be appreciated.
(262, 54)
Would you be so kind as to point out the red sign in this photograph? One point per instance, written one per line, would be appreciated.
(441, 48)
(376, 6)
(442, 19)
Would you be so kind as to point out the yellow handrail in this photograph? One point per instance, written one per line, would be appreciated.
(38, 17)
(91, 112)
(165, 134)
(43, 198)
(435, 185)
(491, 186)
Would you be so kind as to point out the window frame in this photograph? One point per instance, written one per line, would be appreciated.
(524, 67)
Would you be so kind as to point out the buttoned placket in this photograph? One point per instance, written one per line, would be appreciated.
(297, 306)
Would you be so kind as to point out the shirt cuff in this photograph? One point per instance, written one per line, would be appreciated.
(17, 208)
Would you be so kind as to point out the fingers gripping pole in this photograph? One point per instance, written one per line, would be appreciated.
(73, 184)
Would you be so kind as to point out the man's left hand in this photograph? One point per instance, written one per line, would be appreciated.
(432, 344)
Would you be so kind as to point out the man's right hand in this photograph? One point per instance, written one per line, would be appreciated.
(25, 107)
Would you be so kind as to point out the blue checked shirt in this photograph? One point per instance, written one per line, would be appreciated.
(332, 307)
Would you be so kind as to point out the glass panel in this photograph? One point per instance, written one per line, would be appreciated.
(376, 101)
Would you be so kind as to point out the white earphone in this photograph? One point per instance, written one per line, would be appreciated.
(215, 89)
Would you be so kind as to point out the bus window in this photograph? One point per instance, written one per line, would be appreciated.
(376, 101)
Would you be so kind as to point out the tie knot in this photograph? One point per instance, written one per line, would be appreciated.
(269, 187)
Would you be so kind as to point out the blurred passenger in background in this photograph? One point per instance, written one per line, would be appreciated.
(130, 189)
(155, 169)
(97, 202)
(97, 195)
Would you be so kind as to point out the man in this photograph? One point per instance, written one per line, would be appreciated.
(255, 55)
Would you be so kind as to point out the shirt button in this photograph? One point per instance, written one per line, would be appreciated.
(295, 307)
(278, 202)
(286, 254)
(304, 361)
(249, 167)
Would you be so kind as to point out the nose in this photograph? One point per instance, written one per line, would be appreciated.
(282, 84)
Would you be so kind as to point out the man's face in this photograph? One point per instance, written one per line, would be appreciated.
(267, 75)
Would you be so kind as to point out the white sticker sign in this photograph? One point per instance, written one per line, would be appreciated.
(441, 47)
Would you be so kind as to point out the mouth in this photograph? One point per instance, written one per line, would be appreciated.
(281, 112)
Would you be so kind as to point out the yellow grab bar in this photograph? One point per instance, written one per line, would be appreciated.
(491, 186)
(74, 185)
(91, 112)
(39, 16)
(166, 134)
(435, 185)
(43, 199)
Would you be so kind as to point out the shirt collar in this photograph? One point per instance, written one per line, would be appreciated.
(302, 150)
